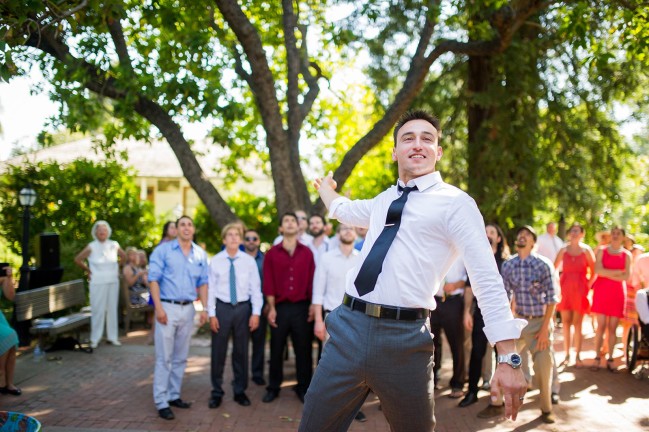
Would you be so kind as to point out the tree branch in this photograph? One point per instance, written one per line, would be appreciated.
(289, 22)
(64, 15)
(97, 83)
(311, 79)
(261, 81)
(506, 21)
(117, 34)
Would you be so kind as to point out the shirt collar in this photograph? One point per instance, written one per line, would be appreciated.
(174, 244)
(424, 182)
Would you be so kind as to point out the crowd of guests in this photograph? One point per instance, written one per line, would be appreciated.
(245, 294)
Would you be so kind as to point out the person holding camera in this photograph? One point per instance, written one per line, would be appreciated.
(8, 338)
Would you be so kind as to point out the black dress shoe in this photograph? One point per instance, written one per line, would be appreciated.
(259, 381)
(300, 394)
(360, 417)
(179, 403)
(270, 396)
(215, 402)
(14, 391)
(242, 399)
(469, 399)
(555, 398)
(166, 413)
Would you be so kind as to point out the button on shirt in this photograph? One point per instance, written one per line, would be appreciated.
(329, 279)
(533, 283)
(439, 224)
(289, 278)
(178, 275)
(246, 276)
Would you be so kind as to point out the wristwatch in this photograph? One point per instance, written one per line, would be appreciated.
(512, 359)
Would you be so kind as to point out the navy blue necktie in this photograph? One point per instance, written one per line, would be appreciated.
(233, 283)
(373, 264)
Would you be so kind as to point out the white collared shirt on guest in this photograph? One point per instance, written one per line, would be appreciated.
(549, 246)
(247, 278)
(329, 279)
(320, 250)
(456, 273)
(439, 224)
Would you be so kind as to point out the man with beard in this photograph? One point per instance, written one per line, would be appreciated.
(531, 279)
(320, 242)
(329, 282)
(474, 322)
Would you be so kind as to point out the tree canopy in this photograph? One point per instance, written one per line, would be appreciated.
(262, 75)
(70, 199)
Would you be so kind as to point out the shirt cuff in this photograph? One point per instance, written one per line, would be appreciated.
(510, 329)
(335, 204)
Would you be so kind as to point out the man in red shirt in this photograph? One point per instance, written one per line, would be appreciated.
(288, 281)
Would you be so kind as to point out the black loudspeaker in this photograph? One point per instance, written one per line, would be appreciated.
(42, 277)
(49, 251)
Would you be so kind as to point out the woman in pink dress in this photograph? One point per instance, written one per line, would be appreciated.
(612, 267)
(578, 262)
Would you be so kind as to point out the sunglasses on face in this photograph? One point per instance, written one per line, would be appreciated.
(251, 238)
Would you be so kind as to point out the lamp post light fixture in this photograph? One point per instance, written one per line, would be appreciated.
(27, 198)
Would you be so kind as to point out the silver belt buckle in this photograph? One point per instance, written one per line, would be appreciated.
(373, 310)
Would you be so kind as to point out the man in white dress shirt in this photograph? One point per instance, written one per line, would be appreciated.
(380, 340)
(234, 304)
(549, 244)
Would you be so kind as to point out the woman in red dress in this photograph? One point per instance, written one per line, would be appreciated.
(578, 262)
(612, 267)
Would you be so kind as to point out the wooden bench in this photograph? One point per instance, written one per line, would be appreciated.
(38, 302)
(129, 308)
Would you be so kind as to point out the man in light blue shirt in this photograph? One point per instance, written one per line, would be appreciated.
(177, 269)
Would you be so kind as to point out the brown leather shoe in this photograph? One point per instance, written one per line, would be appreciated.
(548, 417)
(492, 411)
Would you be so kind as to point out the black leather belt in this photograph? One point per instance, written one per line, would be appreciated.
(380, 311)
(229, 303)
(178, 302)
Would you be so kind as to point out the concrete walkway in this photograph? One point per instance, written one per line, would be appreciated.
(111, 390)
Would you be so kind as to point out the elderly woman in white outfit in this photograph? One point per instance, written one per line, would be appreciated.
(100, 260)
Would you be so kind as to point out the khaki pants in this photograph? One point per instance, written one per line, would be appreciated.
(541, 360)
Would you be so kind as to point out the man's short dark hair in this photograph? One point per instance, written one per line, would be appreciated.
(417, 115)
(250, 230)
(289, 213)
(324, 222)
(184, 217)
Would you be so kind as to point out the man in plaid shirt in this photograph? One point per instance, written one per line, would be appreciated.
(531, 280)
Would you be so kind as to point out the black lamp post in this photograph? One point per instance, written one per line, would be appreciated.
(27, 198)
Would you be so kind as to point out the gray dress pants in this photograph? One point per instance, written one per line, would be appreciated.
(394, 359)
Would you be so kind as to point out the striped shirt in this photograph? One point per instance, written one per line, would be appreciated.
(533, 283)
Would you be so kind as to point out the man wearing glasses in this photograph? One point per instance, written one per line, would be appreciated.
(251, 245)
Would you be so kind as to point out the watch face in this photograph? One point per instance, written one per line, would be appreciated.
(515, 359)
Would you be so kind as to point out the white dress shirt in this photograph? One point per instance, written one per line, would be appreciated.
(549, 246)
(456, 273)
(329, 278)
(247, 278)
(439, 224)
(305, 239)
(319, 251)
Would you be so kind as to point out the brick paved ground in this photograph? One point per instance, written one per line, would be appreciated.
(111, 390)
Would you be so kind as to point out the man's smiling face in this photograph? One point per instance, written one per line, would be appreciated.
(417, 150)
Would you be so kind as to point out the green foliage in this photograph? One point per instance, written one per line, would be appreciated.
(255, 212)
(70, 199)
